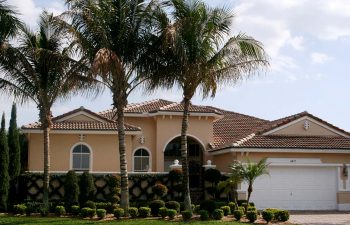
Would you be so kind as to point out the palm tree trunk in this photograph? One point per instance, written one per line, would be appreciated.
(124, 200)
(250, 190)
(46, 128)
(185, 181)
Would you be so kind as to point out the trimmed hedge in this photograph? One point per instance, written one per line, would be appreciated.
(133, 212)
(226, 210)
(60, 210)
(252, 216)
(144, 212)
(267, 215)
(155, 206)
(101, 213)
(238, 214)
(186, 215)
(163, 212)
(118, 213)
(203, 214)
(173, 205)
(218, 214)
(171, 213)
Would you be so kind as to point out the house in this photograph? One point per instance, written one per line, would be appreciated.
(309, 158)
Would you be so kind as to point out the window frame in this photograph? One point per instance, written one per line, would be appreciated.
(149, 159)
(90, 158)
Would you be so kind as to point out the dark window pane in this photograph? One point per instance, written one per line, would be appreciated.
(76, 161)
(84, 149)
(85, 161)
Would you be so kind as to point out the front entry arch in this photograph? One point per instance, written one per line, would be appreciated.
(195, 159)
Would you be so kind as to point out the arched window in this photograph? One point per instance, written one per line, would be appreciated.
(81, 158)
(141, 160)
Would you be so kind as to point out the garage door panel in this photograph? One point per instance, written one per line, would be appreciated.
(297, 188)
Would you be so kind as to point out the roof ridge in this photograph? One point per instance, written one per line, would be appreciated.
(241, 114)
(168, 106)
(80, 109)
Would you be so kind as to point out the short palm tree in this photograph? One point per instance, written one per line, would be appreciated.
(249, 172)
(115, 35)
(198, 55)
(229, 186)
(9, 22)
(42, 70)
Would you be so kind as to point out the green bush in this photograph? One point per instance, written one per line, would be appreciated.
(133, 212)
(87, 188)
(196, 209)
(85, 212)
(267, 215)
(232, 206)
(186, 215)
(90, 204)
(155, 206)
(173, 205)
(20, 209)
(60, 210)
(251, 208)
(163, 212)
(175, 175)
(226, 209)
(103, 205)
(241, 208)
(114, 186)
(92, 212)
(283, 215)
(218, 214)
(251, 204)
(244, 204)
(33, 207)
(171, 213)
(71, 190)
(252, 216)
(75, 210)
(160, 190)
(44, 212)
(212, 175)
(101, 213)
(238, 214)
(144, 212)
(203, 214)
(118, 213)
(208, 205)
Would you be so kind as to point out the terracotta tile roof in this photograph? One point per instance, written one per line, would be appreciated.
(157, 105)
(104, 125)
(97, 126)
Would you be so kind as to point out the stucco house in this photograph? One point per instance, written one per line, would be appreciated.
(309, 158)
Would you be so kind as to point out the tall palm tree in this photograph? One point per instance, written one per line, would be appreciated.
(199, 55)
(115, 35)
(9, 22)
(43, 70)
(249, 172)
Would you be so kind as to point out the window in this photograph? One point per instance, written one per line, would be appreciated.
(81, 158)
(141, 160)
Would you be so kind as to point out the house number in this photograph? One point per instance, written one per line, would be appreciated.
(293, 160)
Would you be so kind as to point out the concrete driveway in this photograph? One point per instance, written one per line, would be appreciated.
(320, 218)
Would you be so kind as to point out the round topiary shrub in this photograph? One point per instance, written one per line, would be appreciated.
(212, 175)
(175, 175)
(251, 204)
(218, 214)
(118, 213)
(44, 212)
(163, 212)
(60, 210)
(20, 209)
(144, 212)
(133, 212)
(241, 208)
(232, 206)
(160, 190)
(226, 209)
(196, 209)
(90, 204)
(252, 216)
(75, 210)
(114, 186)
(203, 214)
(155, 206)
(186, 215)
(173, 205)
(238, 214)
(251, 208)
(171, 213)
(267, 215)
(92, 212)
(209, 205)
(283, 215)
(85, 212)
(101, 213)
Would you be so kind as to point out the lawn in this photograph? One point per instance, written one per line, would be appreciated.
(72, 221)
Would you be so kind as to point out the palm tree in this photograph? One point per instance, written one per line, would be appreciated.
(229, 186)
(249, 172)
(9, 22)
(115, 35)
(198, 55)
(41, 69)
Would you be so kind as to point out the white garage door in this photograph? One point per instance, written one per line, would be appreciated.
(296, 188)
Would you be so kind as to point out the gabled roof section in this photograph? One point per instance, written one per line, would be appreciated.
(63, 123)
(159, 106)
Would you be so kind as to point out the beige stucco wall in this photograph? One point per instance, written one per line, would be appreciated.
(80, 118)
(343, 197)
(223, 161)
(105, 153)
(298, 129)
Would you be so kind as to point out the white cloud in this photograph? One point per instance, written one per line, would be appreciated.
(319, 57)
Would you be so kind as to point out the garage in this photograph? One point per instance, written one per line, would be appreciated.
(296, 188)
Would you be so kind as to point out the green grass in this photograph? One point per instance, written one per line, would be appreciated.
(33, 220)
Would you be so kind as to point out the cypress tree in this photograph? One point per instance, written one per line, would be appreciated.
(87, 188)
(14, 145)
(71, 190)
(4, 165)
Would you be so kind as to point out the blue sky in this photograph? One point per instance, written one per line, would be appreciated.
(308, 43)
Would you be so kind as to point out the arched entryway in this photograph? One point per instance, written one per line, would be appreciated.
(195, 159)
